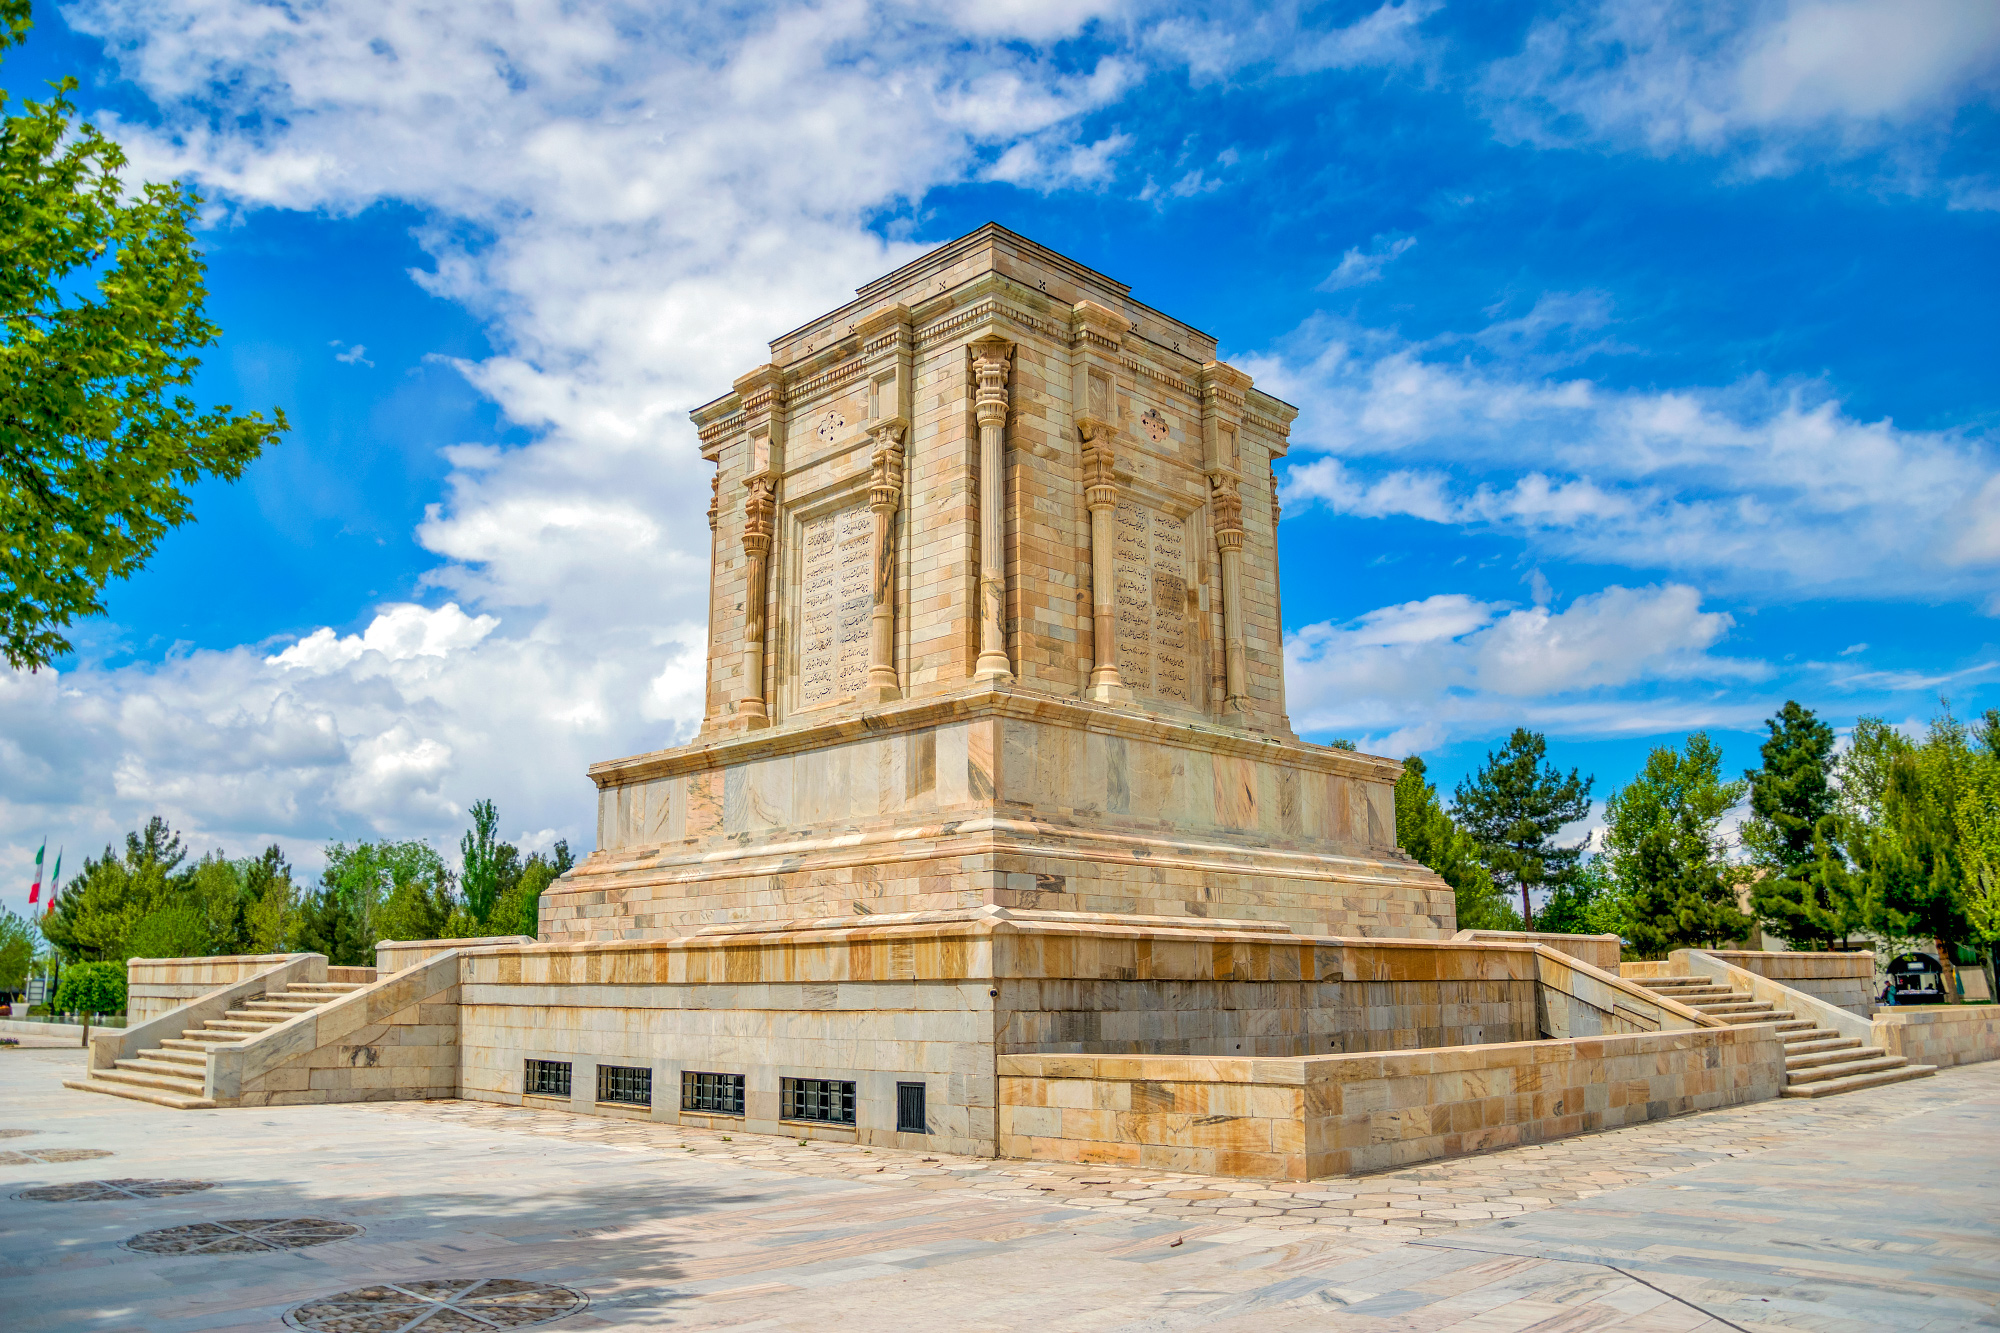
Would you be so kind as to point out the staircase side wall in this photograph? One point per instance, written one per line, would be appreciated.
(393, 1041)
(1941, 1035)
(1574, 999)
(1844, 979)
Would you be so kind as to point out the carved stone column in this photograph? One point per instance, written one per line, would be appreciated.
(991, 360)
(1100, 497)
(758, 507)
(1225, 505)
(885, 497)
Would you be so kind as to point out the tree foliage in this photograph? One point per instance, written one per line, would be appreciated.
(1430, 837)
(97, 913)
(102, 299)
(1666, 853)
(1514, 807)
(91, 988)
(17, 949)
(1803, 893)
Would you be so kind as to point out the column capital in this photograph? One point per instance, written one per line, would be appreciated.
(759, 507)
(1100, 475)
(992, 358)
(885, 480)
(1225, 502)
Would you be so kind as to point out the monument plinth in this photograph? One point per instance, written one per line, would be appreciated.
(994, 621)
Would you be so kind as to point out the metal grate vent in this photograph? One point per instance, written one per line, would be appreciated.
(446, 1305)
(829, 1101)
(548, 1078)
(624, 1083)
(716, 1094)
(910, 1117)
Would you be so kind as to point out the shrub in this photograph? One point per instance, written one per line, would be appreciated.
(92, 988)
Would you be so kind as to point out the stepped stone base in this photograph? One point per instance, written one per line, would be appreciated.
(998, 798)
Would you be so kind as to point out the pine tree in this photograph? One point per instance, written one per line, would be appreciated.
(1430, 838)
(1662, 832)
(1514, 807)
(1803, 894)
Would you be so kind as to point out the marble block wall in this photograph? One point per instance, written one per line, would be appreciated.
(155, 986)
(1000, 798)
(1845, 979)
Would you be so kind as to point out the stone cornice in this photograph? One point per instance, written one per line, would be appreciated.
(918, 714)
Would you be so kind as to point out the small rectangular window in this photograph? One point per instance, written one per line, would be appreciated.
(713, 1094)
(910, 1117)
(827, 1100)
(624, 1083)
(548, 1078)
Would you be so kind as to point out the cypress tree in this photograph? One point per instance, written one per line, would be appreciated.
(1514, 807)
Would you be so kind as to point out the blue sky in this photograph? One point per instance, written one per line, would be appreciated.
(1645, 356)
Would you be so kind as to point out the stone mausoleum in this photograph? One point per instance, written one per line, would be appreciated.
(993, 621)
(995, 838)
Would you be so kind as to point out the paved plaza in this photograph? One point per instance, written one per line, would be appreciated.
(1871, 1211)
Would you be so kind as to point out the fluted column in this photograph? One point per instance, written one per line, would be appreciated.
(885, 497)
(991, 358)
(758, 508)
(1100, 497)
(1226, 508)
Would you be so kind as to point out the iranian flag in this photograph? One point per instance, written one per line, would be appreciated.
(55, 880)
(35, 890)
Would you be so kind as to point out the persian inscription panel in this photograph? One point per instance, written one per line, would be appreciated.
(834, 605)
(1149, 565)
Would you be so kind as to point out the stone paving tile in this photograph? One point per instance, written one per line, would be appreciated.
(1428, 1199)
(1659, 1229)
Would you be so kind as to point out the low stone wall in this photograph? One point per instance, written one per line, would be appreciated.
(154, 986)
(394, 955)
(1334, 1115)
(1845, 980)
(1600, 951)
(395, 1040)
(1942, 1034)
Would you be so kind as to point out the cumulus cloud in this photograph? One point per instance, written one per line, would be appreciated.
(1772, 84)
(1413, 675)
(1756, 486)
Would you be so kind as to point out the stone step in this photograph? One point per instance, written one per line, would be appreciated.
(1739, 1006)
(178, 1101)
(1763, 1016)
(1798, 1025)
(241, 1027)
(1847, 1051)
(1856, 1082)
(167, 1082)
(327, 988)
(1693, 988)
(197, 1074)
(281, 1006)
(262, 1014)
(1820, 1040)
(197, 1040)
(1867, 1064)
(188, 1059)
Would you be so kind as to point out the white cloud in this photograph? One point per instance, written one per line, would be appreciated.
(1774, 83)
(1418, 673)
(1359, 267)
(1755, 487)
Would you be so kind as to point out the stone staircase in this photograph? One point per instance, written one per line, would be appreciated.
(1819, 1062)
(175, 1073)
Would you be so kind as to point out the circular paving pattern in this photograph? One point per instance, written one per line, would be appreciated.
(244, 1235)
(51, 1155)
(446, 1305)
(85, 1190)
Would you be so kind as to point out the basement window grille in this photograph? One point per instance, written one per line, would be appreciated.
(829, 1101)
(910, 1118)
(715, 1094)
(548, 1078)
(623, 1083)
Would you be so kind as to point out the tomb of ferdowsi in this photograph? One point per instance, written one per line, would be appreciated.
(995, 837)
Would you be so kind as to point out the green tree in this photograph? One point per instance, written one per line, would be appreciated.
(483, 873)
(102, 297)
(1514, 807)
(518, 911)
(1803, 893)
(1665, 850)
(1430, 838)
(385, 891)
(97, 912)
(1586, 902)
(17, 950)
(328, 925)
(91, 988)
